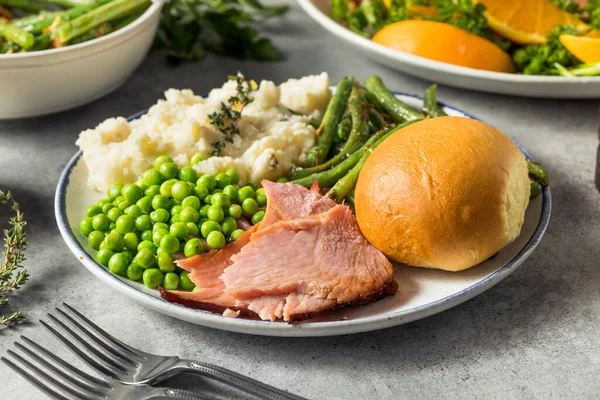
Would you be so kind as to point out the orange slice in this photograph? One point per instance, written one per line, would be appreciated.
(527, 21)
(585, 48)
(446, 43)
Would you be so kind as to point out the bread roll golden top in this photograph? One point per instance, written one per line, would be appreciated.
(443, 193)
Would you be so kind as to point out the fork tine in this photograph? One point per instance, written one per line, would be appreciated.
(76, 376)
(49, 379)
(107, 358)
(115, 351)
(33, 380)
(95, 328)
(101, 367)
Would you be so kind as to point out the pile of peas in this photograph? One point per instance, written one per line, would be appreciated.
(139, 227)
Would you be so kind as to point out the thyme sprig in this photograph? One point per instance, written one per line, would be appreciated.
(226, 119)
(15, 245)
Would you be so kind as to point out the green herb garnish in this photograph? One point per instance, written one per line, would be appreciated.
(226, 119)
(14, 255)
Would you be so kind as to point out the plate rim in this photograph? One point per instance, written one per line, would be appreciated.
(455, 70)
(268, 328)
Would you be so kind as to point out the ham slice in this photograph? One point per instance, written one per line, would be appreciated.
(306, 256)
(308, 265)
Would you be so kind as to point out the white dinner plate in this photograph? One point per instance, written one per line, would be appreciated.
(557, 87)
(421, 293)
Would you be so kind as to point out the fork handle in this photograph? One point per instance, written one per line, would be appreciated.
(163, 393)
(249, 385)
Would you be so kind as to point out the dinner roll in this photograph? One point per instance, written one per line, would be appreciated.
(444, 193)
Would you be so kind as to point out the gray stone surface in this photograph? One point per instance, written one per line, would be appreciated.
(535, 335)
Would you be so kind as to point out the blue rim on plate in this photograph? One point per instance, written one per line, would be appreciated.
(362, 324)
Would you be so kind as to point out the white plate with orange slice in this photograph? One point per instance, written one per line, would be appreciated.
(457, 75)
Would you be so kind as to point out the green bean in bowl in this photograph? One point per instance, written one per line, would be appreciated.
(30, 25)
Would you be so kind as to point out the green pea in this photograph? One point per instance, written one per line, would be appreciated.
(93, 211)
(145, 258)
(114, 241)
(135, 272)
(143, 223)
(185, 283)
(152, 177)
(132, 193)
(166, 187)
(188, 214)
(118, 264)
(142, 185)
(220, 199)
(253, 185)
(128, 254)
(228, 225)
(86, 227)
(95, 239)
(215, 213)
(179, 230)
(193, 247)
(282, 180)
(169, 243)
(104, 256)
(123, 205)
(175, 210)
(152, 190)
(181, 190)
(193, 228)
(233, 175)
(216, 190)
(159, 215)
(235, 235)
(207, 227)
(152, 277)
(171, 281)
(101, 222)
(256, 218)
(207, 199)
(165, 262)
(191, 201)
(131, 241)
(174, 219)
(261, 197)
(231, 191)
(114, 214)
(235, 210)
(225, 211)
(112, 226)
(160, 201)
(118, 199)
(250, 206)
(196, 158)
(181, 247)
(147, 244)
(125, 224)
(102, 202)
(161, 160)
(246, 192)
(114, 191)
(200, 191)
(107, 207)
(133, 211)
(203, 212)
(216, 240)
(146, 235)
(168, 170)
(158, 234)
(144, 204)
(207, 181)
(188, 174)
(160, 225)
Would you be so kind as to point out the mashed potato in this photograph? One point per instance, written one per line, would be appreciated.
(270, 142)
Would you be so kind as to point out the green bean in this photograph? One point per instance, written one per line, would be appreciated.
(344, 128)
(64, 16)
(14, 34)
(25, 5)
(376, 118)
(350, 199)
(430, 105)
(42, 42)
(110, 11)
(331, 119)
(313, 122)
(399, 111)
(345, 185)
(537, 173)
(71, 3)
(32, 19)
(536, 190)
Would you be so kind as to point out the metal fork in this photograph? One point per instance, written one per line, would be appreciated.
(113, 358)
(60, 380)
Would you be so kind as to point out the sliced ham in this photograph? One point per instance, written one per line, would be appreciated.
(308, 265)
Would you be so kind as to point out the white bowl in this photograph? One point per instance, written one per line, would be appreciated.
(53, 80)
(452, 75)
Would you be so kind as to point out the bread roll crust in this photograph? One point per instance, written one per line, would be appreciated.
(443, 193)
